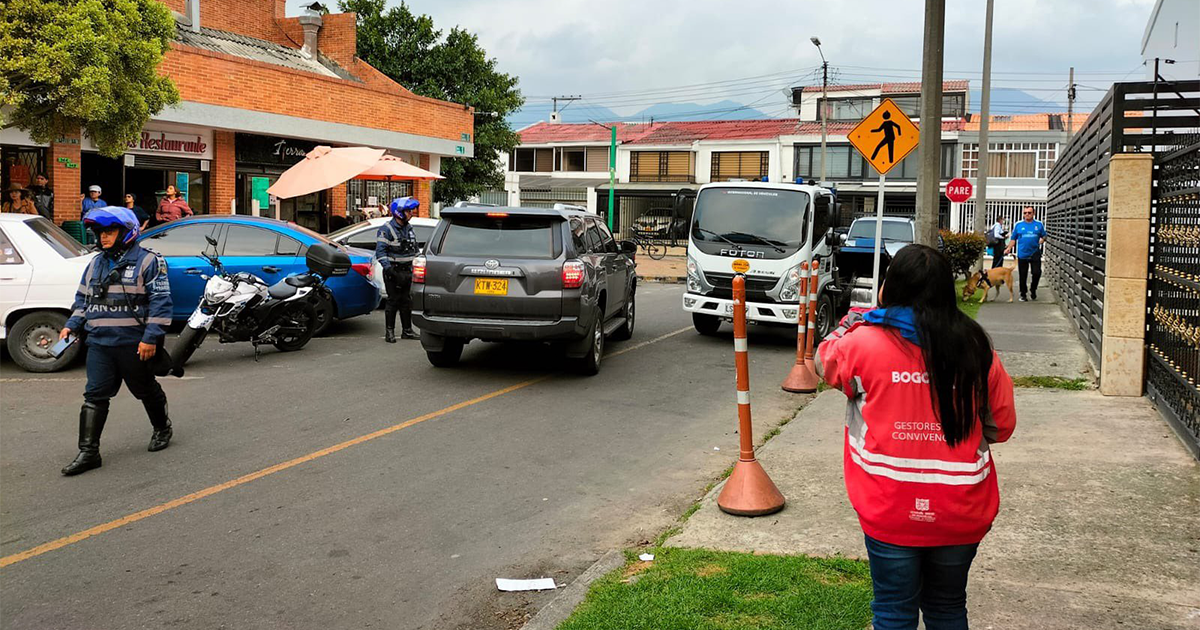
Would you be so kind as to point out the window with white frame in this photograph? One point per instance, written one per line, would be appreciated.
(1029, 160)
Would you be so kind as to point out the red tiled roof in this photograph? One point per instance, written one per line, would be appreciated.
(1027, 122)
(550, 133)
(684, 132)
(910, 87)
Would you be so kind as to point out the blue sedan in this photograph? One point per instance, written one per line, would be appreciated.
(267, 248)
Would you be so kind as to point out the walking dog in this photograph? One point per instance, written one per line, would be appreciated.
(991, 279)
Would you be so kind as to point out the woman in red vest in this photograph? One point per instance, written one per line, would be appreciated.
(927, 396)
(172, 207)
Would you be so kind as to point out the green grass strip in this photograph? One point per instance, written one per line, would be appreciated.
(1053, 382)
(698, 589)
(969, 307)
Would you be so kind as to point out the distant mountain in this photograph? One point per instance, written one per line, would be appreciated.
(723, 110)
(1009, 101)
(583, 112)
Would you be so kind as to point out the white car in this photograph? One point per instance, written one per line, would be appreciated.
(362, 236)
(41, 267)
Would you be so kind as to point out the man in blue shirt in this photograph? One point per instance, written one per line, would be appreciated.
(92, 201)
(1027, 238)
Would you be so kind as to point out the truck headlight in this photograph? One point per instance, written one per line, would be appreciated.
(791, 285)
(693, 275)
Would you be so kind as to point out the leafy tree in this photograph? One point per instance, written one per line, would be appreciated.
(408, 49)
(90, 64)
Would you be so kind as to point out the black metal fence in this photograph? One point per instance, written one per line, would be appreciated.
(1173, 321)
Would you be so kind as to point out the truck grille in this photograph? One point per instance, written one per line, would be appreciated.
(756, 288)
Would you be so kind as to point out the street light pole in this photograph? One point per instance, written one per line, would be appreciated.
(824, 111)
(981, 177)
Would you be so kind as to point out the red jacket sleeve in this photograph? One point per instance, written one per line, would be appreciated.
(1003, 419)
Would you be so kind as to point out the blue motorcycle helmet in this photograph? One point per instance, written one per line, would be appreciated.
(404, 207)
(100, 219)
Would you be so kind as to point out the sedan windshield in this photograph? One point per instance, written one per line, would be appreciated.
(892, 230)
(57, 239)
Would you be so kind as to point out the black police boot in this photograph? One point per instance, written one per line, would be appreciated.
(390, 335)
(91, 424)
(160, 419)
(409, 333)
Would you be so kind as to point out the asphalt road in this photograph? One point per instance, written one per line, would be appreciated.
(437, 482)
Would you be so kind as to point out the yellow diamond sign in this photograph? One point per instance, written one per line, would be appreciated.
(885, 137)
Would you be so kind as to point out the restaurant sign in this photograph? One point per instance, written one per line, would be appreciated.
(252, 149)
(169, 142)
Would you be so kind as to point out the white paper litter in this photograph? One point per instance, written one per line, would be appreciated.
(540, 584)
(646, 557)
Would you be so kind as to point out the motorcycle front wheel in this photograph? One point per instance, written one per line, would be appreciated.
(189, 340)
(298, 325)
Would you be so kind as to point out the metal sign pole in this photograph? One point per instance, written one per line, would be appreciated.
(878, 242)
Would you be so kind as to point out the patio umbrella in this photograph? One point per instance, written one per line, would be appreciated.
(323, 168)
(390, 167)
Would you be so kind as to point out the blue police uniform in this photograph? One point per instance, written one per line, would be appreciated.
(124, 299)
(395, 249)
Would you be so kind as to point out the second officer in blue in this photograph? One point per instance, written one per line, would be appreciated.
(395, 249)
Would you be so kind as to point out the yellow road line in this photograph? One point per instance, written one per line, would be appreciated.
(196, 496)
(233, 483)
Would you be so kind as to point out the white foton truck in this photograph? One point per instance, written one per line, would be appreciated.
(764, 230)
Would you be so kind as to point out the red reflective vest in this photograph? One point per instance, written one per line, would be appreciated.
(908, 486)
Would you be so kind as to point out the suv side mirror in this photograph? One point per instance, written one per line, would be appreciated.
(628, 247)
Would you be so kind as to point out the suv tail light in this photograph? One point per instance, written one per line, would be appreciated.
(572, 274)
(364, 269)
(419, 270)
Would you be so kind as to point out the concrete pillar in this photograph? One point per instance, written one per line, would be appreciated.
(423, 190)
(1126, 270)
(223, 187)
(64, 166)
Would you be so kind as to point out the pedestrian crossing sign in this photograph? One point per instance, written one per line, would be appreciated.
(885, 137)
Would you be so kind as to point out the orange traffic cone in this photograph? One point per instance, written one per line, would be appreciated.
(802, 379)
(748, 491)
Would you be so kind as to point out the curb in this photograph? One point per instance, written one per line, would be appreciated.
(662, 279)
(565, 602)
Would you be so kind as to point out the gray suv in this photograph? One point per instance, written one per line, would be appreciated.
(523, 274)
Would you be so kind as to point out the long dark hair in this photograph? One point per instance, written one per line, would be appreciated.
(957, 352)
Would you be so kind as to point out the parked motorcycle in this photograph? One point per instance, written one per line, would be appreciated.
(242, 307)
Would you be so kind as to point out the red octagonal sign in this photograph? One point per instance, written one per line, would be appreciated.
(959, 190)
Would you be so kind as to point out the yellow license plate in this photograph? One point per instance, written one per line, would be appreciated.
(491, 286)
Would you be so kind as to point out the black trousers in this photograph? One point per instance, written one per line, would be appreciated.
(997, 256)
(398, 281)
(1023, 267)
(109, 366)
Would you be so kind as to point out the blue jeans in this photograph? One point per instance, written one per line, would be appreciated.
(932, 580)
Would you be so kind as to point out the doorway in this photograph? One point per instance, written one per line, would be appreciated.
(146, 185)
(107, 173)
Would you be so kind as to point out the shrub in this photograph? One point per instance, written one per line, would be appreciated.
(963, 250)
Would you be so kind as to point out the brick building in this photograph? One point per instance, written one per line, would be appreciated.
(258, 90)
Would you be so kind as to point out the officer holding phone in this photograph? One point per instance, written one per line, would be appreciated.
(123, 304)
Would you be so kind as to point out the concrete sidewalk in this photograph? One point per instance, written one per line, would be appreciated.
(1099, 524)
(669, 270)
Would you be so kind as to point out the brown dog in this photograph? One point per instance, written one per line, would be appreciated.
(995, 278)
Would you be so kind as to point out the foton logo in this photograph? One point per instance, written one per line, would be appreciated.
(910, 377)
(742, 253)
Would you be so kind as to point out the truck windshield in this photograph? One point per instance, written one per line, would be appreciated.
(773, 220)
(892, 230)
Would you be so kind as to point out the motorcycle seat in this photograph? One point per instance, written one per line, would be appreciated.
(303, 280)
(282, 290)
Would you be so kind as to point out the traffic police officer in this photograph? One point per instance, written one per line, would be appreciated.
(123, 304)
(395, 249)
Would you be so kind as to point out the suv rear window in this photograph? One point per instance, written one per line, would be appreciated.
(501, 237)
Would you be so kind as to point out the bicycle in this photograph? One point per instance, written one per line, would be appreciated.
(654, 250)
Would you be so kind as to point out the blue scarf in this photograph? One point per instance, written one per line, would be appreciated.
(898, 317)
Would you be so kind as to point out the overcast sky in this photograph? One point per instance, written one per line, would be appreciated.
(597, 48)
